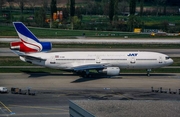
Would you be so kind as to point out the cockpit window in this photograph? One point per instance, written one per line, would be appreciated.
(167, 57)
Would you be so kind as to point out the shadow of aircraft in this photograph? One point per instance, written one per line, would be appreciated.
(142, 74)
(81, 79)
(100, 76)
(95, 76)
(37, 74)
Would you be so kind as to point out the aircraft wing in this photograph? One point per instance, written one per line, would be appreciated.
(88, 67)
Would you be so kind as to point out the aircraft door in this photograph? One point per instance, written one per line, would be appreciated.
(98, 59)
(52, 60)
(160, 59)
(133, 60)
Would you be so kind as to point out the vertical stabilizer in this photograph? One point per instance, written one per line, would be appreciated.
(28, 41)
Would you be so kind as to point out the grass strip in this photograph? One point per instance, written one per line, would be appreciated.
(13, 61)
(58, 33)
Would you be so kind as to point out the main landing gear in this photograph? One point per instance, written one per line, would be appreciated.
(85, 74)
(148, 72)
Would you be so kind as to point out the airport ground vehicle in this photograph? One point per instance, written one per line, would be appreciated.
(3, 90)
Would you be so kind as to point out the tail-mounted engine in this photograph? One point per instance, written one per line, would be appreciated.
(29, 47)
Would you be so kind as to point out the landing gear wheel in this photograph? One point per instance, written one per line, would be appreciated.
(86, 75)
(148, 72)
(89, 76)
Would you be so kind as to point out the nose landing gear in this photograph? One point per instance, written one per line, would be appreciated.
(148, 72)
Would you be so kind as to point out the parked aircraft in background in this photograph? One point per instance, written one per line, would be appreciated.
(31, 50)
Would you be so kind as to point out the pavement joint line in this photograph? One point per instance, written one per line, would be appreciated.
(4, 115)
(39, 107)
(5, 107)
(40, 114)
(128, 98)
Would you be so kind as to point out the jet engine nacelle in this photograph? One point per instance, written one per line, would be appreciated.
(29, 48)
(112, 71)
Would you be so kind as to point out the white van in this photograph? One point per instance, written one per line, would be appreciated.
(3, 90)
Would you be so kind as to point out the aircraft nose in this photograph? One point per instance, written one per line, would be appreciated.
(170, 62)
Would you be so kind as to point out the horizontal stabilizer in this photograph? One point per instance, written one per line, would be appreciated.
(17, 52)
(27, 56)
(33, 58)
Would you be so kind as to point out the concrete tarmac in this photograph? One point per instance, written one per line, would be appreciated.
(53, 91)
(55, 81)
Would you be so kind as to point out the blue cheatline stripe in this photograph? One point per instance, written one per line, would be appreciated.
(22, 29)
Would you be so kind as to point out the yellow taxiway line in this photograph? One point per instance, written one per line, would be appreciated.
(5, 107)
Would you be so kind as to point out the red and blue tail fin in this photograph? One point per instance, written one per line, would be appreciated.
(28, 41)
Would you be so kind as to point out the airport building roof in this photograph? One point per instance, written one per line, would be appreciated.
(130, 108)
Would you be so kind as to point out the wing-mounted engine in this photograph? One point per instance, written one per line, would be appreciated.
(112, 71)
(29, 48)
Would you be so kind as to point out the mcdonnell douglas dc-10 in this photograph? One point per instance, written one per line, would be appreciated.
(31, 50)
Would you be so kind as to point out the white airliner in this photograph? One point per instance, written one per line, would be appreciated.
(31, 50)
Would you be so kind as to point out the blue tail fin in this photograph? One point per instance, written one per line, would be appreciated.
(24, 33)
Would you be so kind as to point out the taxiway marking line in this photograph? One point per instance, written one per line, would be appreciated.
(39, 107)
(5, 107)
(41, 114)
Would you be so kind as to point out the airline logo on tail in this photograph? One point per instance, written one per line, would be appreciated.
(28, 41)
